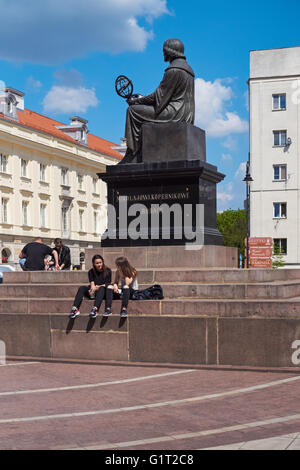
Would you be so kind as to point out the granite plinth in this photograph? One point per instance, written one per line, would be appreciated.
(221, 317)
(170, 257)
(172, 140)
(144, 193)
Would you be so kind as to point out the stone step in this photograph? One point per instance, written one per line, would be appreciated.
(279, 308)
(232, 291)
(172, 290)
(160, 275)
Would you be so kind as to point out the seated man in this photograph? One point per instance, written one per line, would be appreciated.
(35, 253)
(64, 255)
(173, 100)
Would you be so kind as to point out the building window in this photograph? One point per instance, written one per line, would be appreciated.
(4, 211)
(279, 210)
(42, 172)
(43, 215)
(64, 220)
(10, 107)
(280, 172)
(279, 102)
(80, 182)
(81, 224)
(3, 163)
(25, 212)
(96, 223)
(64, 176)
(280, 245)
(279, 138)
(24, 165)
(95, 185)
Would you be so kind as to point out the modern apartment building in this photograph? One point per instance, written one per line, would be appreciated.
(274, 100)
(48, 180)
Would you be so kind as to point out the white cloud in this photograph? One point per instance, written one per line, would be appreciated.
(52, 31)
(63, 99)
(230, 143)
(211, 113)
(33, 84)
(224, 196)
(226, 157)
(241, 171)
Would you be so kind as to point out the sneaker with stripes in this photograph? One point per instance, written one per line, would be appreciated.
(74, 312)
(93, 312)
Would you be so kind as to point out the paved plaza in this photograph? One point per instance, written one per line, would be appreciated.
(60, 405)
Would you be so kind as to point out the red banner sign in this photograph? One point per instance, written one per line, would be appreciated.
(260, 252)
(259, 241)
(260, 263)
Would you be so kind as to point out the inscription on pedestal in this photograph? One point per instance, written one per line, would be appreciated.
(162, 204)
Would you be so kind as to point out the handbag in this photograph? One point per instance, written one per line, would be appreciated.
(154, 292)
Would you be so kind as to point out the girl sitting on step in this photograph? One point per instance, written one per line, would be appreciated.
(100, 278)
(125, 283)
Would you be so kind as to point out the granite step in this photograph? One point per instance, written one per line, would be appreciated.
(160, 275)
(279, 308)
(172, 290)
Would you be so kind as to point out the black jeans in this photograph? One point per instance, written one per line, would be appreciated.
(100, 294)
(111, 295)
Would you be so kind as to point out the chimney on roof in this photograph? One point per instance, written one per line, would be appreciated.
(77, 130)
(11, 101)
(77, 121)
(122, 147)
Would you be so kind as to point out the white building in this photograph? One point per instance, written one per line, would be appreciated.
(274, 97)
(48, 180)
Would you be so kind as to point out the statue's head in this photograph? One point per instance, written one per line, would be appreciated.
(173, 49)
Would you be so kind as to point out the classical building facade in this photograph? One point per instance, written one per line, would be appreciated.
(274, 92)
(48, 180)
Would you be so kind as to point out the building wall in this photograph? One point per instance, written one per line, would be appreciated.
(18, 143)
(272, 72)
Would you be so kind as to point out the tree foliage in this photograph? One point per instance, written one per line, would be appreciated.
(278, 257)
(233, 226)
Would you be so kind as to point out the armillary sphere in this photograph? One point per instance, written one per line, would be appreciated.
(124, 86)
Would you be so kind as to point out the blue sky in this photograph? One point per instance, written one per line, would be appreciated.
(66, 55)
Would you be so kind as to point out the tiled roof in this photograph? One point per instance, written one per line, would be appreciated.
(42, 123)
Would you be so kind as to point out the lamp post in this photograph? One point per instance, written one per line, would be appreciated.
(247, 180)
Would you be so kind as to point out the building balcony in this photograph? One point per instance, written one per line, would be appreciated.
(65, 190)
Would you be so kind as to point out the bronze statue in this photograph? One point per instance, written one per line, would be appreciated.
(172, 101)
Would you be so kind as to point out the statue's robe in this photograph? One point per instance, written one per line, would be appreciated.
(173, 100)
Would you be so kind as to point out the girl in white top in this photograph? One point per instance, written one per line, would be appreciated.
(125, 283)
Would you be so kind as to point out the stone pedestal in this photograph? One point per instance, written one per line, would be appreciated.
(167, 199)
(172, 141)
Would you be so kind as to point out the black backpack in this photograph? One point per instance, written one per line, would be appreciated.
(151, 293)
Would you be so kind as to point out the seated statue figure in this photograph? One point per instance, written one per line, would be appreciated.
(172, 101)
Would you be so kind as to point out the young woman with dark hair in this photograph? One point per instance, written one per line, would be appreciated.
(125, 283)
(100, 278)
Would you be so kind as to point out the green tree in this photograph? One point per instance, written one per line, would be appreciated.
(278, 257)
(233, 226)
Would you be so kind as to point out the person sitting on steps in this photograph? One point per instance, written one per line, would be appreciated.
(125, 283)
(100, 278)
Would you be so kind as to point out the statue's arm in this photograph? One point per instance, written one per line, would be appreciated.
(162, 95)
(146, 100)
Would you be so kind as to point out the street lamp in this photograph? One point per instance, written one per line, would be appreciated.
(248, 180)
